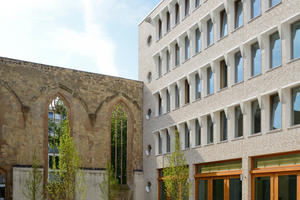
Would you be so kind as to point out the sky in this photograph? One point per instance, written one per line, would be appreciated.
(98, 36)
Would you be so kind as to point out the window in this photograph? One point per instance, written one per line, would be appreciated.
(210, 81)
(159, 29)
(119, 144)
(168, 61)
(223, 20)
(177, 97)
(223, 75)
(275, 48)
(255, 8)
(177, 55)
(198, 86)
(198, 40)
(296, 106)
(159, 105)
(159, 144)
(210, 32)
(239, 67)
(296, 40)
(274, 2)
(177, 16)
(159, 67)
(198, 133)
(223, 126)
(275, 112)
(168, 100)
(256, 118)
(187, 92)
(210, 130)
(197, 3)
(187, 7)
(238, 13)
(238, 122)
(186, 136)
(168, 141)
(187, 47)
(168, 22)
(256, 59)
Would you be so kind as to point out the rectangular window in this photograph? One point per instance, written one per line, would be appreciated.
(177, 97)
(198, 133)
(239, 67)
(198, 86)
(256, 118)
(210, 130)
(239, 21)
(274, 2)
(256, 59)
(203, 190)
(296, 106)
(223, 75)
(223, 126)
(159, 144)
(275, 112)
(197, 3)
(177, 55)
(223, 24)
(159, 105)
(198, 40)
(210, 81)
(168, 142)
(187, 7)
(255, 8)
(275, 47)
(177, 16)
(168, 22)
(238, 122)
(168, 61)
(187, 48)
(159, 29)
(219, 167)
(159, 67)
(168, 100)
(276, 161)
(262, 188)
(296, 40)
(187, 92)
(187, 137)
(210, 32)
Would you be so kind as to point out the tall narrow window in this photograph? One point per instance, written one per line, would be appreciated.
(239, 67)
(275, 48)
(187, 137)
(255, 8)
(223, 71)
(210, 130)
(159, 105)
(177, 16)
(159, 144)
(197, 3)
(187, 48)
(198, 86)
(168, 100)
(159, 67)
(296, 40)
(187, 7)
(223, 20)
(119, 144)
(256, 59)
(177, 55)
(168, 142)
(256, 118)
(177, 97)
(187, 92)
(239, 20)
(210, 32)
(198, 40)
(198, 133)
(168, 22)
(223, 126)
(296, 106)
(168, 61)
(238, 122)
(210, 81)
(159, 29)
(275, 112)
(274, 2)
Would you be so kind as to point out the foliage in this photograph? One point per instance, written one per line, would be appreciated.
(33, 188)
(67, 181)
(109, 186)
(175, 175)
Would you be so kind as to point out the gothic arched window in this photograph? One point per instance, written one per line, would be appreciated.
(119, 144)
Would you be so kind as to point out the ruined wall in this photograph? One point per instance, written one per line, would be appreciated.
(26, 90)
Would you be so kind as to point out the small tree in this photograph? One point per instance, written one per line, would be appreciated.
(176, 173)
(33, 188)
(68, 179)
(109, 186)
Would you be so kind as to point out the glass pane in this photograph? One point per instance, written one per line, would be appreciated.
(235, 189)
(296, 106)
(177, 55)
(218, 189)
(187, 137)
(210, 127)
(210, 80)
(256, 60)
(176, 96)
(224, 24)
(275, 113)
(296, 40)
(168, 21)
(163, 194)
(198, 133)
(197, 3)
(187, 7)
(202, 190)
(274, 161)
(255, 9)
(274, 2)
(187, 48)
(275, 50)
(217, 167)
(168, 61)
(262, 188)
(177, 13)
(238, 122)
(224, 75)
(168, 142)
(224, 126)
(198, 87)
(210, 33)
(159, 144)
(239, 14)
(287, 187)
(256, 118)
(198, 40)
(239, 68)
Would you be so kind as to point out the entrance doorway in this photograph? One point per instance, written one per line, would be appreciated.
(2, 186)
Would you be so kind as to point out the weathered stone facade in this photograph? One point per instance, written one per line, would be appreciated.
(26, 90)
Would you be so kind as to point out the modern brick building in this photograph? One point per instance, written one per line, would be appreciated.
(226, 75)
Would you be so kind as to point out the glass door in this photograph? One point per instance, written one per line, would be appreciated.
(286, 186)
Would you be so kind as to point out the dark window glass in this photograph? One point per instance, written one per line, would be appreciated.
(198, 86)
(239, 67)
(168, 22)
(296, 106)
(197, 3)
(168, 101)
(296, 40)
(168, 61)
(159, 144)
(223, 126)
(256, 117)
(177, 16)
(238, 122)
(223, 16)
(287, 187)
(187, 7)
(177, 55)
(187, 92)
(275, 47)
(202, 190)
(210, 32)
(256, 59)
(262, 188)
(274, 2)
(159, 29)
(275, 112)
(223, 81)
(210, 81)
(198, 133)
(159, 67)
(235, 189)
(255, 8)
(187, 48)
(218, 189)
(187, 137)
(163, 193)
(168, 142)
(210, 130)
(159, 105)
(198, 40)
(238, 13)
(176, 97)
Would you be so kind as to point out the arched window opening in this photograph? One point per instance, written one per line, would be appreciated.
(57, 115)
(119, 144)
(2, 187)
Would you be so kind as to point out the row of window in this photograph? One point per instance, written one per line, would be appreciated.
(215, 125)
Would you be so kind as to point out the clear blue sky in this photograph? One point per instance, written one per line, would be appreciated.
(91, 35)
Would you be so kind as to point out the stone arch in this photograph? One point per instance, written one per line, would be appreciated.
(70, 115)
